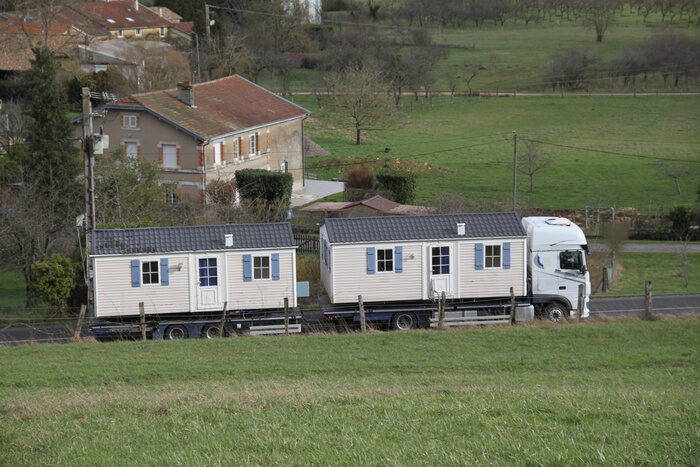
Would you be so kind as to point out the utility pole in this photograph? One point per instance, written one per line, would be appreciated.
(89, 159)
(208, 26)
(515, 169)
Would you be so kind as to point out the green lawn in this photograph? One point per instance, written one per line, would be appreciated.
(571, 394)
(12, 291)
(466, 147)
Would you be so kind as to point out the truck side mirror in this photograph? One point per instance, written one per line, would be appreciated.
(583, 269)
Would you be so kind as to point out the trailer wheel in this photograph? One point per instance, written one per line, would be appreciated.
(555, 312)
(175, 332)
(210, 331)
(403, 321)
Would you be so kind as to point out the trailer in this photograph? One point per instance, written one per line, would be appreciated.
(183, 281)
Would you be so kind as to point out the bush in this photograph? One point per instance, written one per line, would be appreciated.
(54, 279)
(222, 192)
(258, 184)
(401, 184)
(570, 69)
(360, 177)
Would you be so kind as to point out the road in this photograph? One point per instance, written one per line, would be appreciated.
(650, 247)
(662, 304)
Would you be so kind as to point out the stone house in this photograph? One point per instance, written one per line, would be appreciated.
(204, 132)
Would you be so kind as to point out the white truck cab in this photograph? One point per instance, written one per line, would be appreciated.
(556, 263)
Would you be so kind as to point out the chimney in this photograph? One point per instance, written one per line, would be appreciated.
(160, 11)
(228, 240)
(136, 5)
(185, 93)
(461, 230)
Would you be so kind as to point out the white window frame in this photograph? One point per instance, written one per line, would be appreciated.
(171, 196)
(377, 260)
(138, 32)
(493, 255)
(126, 144)
(237, 148)
(449, 260)
(143, 281)
(128, 118)
(162, 147)
(254, 144)
(120, 33)
(262, 268)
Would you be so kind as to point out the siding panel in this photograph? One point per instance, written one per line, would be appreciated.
(260, 293)
(491, 282)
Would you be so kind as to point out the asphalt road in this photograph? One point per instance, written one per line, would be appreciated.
(662, 304)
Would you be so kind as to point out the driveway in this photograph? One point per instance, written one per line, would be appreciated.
(314, 190)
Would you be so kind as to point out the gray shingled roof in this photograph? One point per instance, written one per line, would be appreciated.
(191, 238)
(427, 227)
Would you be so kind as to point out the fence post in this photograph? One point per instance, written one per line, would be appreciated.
(581, 294)
(512, 306)
(286, 316)
(363, 323)
(142, 324)
(223, 320)
(605, 279)
(79, 326)
(647, 301)
(441, 319)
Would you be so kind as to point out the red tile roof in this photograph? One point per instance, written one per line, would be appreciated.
(121, 15)
(222, 106)
(377, 202)
(186, 26)
(167, 13)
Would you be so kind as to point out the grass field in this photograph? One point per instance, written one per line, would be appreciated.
(571, 394)
(466, 147)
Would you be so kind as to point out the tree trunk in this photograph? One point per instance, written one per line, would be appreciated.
(357, 138)
(30, 300)
(599, 34)
(531, 177)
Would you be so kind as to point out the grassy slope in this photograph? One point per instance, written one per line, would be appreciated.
(660, 268)
(472, 139)
(12, 290)
(539, 395)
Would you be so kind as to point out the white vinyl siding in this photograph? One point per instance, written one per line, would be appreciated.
(115, 296)
(260, 293)
(349, 272)
(170, 156)
(492, 282)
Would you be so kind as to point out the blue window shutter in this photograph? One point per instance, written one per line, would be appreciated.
(370, 260)
(506, 255)
(479, 256)
(247, 268)
(135, 273)
(164, 278)
(275, 266)
(398, 259)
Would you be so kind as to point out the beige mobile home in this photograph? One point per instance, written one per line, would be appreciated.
(410, 258)
(193, 269)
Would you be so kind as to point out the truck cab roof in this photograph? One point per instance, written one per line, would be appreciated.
(553, 233)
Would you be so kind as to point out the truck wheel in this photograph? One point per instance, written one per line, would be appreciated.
(555, 312)
(403, 321)
(175, 332)
(210, 331)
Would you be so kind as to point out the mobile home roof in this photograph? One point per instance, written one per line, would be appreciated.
(191, 238)
(426, 227)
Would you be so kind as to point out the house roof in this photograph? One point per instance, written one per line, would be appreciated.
(191, 238)
(223, 106)
(425, 227)
(167, 13)
(121, 15)
(186, 26)
(16, 52)
(376, 202)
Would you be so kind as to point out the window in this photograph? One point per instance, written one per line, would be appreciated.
(440, 259)
(492, 256)
(120, 33)
(138, 32)
(237, 148)
(149, 272)
(171, 196)
(261, 267)
(162, 31)
(169, 156)
(132, 150)
(208, 272)
(131, 121)
(571, 260)
(253, 143)
(385, 260)
(217, 153)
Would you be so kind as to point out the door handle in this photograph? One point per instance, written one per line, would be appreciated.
(562, 287)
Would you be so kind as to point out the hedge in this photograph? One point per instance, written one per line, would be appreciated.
(401, 184)
(256, 184)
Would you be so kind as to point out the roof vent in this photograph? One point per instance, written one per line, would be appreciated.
(461, 229)
(228, 239)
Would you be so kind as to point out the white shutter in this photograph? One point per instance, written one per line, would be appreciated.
(170, 156)
(132, 150)
(217, 153)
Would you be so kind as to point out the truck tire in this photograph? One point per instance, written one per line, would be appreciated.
(403, 321)
(175, 332)
(555, 312)
(210, 331)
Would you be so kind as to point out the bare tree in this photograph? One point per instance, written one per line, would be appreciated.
(600, 14)
(13, 124)
(532, 160)
(676, 172)
(471, 70)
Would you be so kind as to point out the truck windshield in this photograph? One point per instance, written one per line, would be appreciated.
(571, 260)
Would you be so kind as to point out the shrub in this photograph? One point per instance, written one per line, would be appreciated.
(54, 279)
(258, 184)
(401, 184)
(570, 69)
(360, 177)
(222, 192)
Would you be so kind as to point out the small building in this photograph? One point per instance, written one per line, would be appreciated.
(409, 258)
(199, 133)
(376, 205)
(193, 269)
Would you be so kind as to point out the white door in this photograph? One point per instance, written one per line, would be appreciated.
(209, 284)
(440, 270)
(217, 153)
